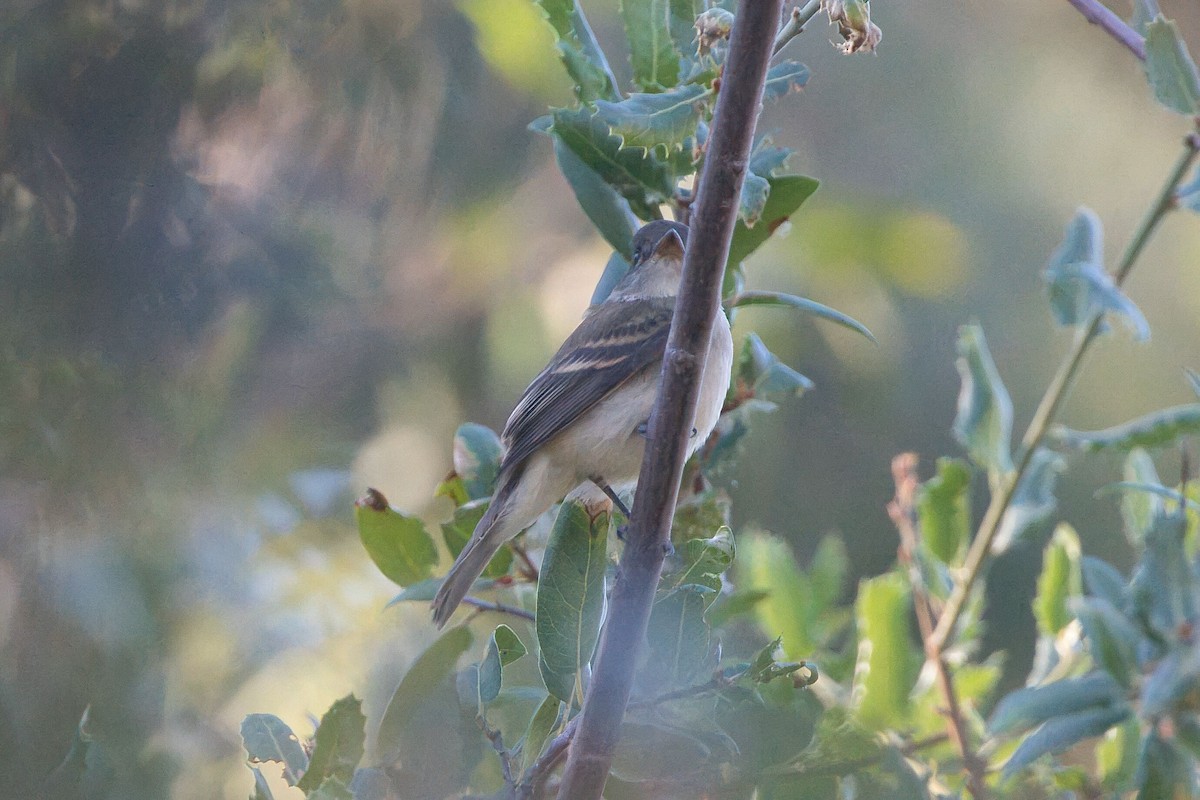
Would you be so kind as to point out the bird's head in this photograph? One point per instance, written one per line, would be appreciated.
(657, 263)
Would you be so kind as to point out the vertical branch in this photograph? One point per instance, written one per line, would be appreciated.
(698, 304)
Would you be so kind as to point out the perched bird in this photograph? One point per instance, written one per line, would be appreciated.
(584, 416)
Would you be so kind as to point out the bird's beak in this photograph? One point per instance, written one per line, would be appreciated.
(669, 246)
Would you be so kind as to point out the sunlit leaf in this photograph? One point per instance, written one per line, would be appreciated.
(1060, 579)
(604, 206)
(819, 310)
(570, 596)
(702, 562)
(655, 120)
(398, 544)
(581, 55)
(1163, 771)
(887, 663)
(1139, 510)
(944, 509)
(634, 172)
(339, 744)
(1033, 502)
(426, 672)
(652, 51)
(1113, 639)
(1117, 754)
(1157, 429)
(984, 421)
(268, 738)
(1062, 732)
(1170, 68)
(827, 573)
(784, 77)
(766, 564)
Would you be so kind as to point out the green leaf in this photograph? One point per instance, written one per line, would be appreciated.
(1193, 376)
(581, 54)
(1079, 287)
(1113, 638)
(426, 590)
(755, 190)
(984, 421)
(683, 25)
(570, 596)
(819, 310)
(1062, 732)
(457, 532)
(1162, 581)
(651, 50)
(768, 377)
(1144, 12)
(477, 454)
(424, 675)
(788, 193)
(703, 562)
(827, 573)
(268, 738)
(332, 789)
(538, 731)
(339, 744)
(1102, 580)
(887, 664)
(1139, 510)
(262, 789)
(1158, 429)
(656, 752)
(1033, 502)
(766, 564)
(397, 543)
(1116, 755)
(1163, 771)
(662, 120)
(1170, 68)
(728, 606)
(785, 77)
(614, 270)
(678, 639)
(1166, 690)
(604, 206)
(504, 648)
(944, 510)
(1060, 579)
(634, 172)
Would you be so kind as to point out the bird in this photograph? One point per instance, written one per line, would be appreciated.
(584, 417)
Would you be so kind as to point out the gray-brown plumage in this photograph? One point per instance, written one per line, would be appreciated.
(581, 418)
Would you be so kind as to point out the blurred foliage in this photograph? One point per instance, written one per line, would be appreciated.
(252, 254)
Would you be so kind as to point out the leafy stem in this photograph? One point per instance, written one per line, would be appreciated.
(1052, 401)
(798, 18)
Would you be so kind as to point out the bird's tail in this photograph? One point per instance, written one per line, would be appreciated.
(489, 536)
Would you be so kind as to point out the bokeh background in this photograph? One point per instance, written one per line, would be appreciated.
(256, 256)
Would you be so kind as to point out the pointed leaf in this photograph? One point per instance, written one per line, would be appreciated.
(1060, 579)
(678, 639)
(764, 298)
(788, 193)
(397, 543)
(1113, 639)
(538, 730)
(1029, 707)
(766, 564)
(268, 738)
(1144, 12)
(1138, 511)
(339, 744)
(944, 510)
(457, 532)
(504, 648)
(1168, 687)
(1062, 732)
(887, 663)
(477, 453)
(607, 209)
(1163, 771)
(570, 596)
(1157, 429)
(984, 421)
(656, 120)
(784, 77)
(1102, 580)
(1170, 68)
(827, 574)
(652, 52)
(768, 377)
(581, 54)
(423, 676)
(683, 25)
(703, 562)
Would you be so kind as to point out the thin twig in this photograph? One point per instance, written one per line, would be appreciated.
(532, 785)
(1052, 400)
(903, 511)
(1097, 13)
(795, 25)
(497, 739)
(696, 307)
(488, 605)
(527, 567)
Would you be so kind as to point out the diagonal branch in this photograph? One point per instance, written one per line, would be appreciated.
(1097, 13)
(687, 348)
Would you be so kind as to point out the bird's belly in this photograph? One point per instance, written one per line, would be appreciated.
(605, 441)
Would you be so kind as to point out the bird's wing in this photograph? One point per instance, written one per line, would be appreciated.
(612, 344)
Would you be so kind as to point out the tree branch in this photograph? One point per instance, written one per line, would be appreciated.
(1098, 14)
(699, 302)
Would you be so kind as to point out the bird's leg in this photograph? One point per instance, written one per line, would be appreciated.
(617, 502)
